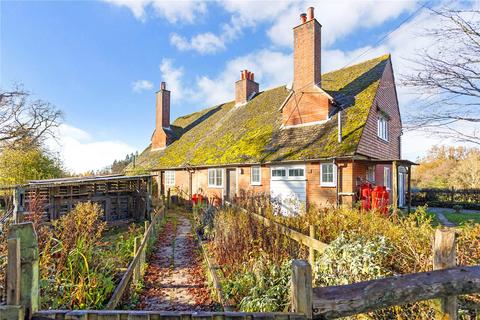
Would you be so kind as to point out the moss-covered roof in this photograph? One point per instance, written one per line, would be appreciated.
(252, 133)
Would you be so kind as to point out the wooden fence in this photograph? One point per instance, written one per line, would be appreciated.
(308, 241)
(445, 283)
(142, 248)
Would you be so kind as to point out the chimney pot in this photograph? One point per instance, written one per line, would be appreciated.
(252, 76)
(163, 85)
(310, 13)
(303, 18)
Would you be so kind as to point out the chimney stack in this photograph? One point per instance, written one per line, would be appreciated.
(162, 119)
(309, 104)
(245, 88)
(306, 51)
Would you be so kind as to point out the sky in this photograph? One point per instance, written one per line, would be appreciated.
(101, 62)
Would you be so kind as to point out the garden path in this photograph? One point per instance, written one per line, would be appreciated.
(175, 279)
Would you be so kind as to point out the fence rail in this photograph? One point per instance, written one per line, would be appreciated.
(347, 300)
(135, 268)
(308, 241)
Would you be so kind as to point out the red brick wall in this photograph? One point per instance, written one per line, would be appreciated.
(309, 106)
(316, 194)
(244, 89)
(306, 54)
(386, 100)
(162, 109)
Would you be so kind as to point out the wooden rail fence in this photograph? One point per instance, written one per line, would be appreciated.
(306, 301)
(308, 241)
(135, 269)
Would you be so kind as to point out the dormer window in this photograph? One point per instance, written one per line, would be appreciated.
(382, 127)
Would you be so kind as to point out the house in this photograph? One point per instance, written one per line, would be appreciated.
(315, 142)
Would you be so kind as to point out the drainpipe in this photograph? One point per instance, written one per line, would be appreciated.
(339, 118)
(338, 181)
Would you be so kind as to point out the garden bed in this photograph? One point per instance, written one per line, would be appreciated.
(255, 260)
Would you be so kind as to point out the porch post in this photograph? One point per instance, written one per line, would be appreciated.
(409, 190)
(395, 186)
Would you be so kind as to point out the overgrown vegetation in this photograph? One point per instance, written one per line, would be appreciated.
(362, 246)
(79, 259)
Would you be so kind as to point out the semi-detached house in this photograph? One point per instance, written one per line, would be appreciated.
(315, 141)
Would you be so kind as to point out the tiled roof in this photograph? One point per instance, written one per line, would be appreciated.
(252, 133)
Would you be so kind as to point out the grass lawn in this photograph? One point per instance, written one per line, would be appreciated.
(459, 218)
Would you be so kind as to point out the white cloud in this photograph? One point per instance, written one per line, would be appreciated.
(338, 18)
(142, 85)
(203, 43)
(81, 152)
(173, 78)
(180, 11)
(271, 68)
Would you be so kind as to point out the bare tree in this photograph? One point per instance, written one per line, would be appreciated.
(450, 72)
(23, 119)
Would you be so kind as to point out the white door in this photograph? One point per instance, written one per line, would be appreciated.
(401, 189)
(288, 189)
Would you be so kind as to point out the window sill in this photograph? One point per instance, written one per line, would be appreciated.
(214, 187)
(256, 184)
(382, 140)
(328, 185)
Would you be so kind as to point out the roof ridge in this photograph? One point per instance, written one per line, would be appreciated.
(384, 57)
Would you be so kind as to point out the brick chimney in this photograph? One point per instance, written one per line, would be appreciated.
(162, 123)
(245, 88)
(306, 51)
(307, 103)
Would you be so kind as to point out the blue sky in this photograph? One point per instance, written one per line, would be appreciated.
(101, 61)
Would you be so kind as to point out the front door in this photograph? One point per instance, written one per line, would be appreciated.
(231, 184)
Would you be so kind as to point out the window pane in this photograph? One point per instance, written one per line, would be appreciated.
(256, 174)
(295, 172)
(219, 177)
(278, 173)
(327, 172)
(211, 177)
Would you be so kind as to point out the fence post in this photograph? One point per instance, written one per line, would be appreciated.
(301, 289)
(136, 268)
(311, 252)
(29, 279)
(444, 256)
(13, 271)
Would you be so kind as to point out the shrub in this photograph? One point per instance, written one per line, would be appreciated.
(346, 261)
(239, 237)
(262, 288)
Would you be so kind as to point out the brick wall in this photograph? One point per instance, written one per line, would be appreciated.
(316, 194)
(162, 117)
(386, 100)
(306, 107)
(244, 89)
(306, 54)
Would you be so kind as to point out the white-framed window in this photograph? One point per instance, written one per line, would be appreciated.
(288, 172)
(382, 127)
(371, 174)
(215, 178)
(387, 178)
(328, 174)
(279, 172)
(296, 172)
(256, 175)
(170, 178)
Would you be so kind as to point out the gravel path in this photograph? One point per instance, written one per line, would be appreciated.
(174, 279)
